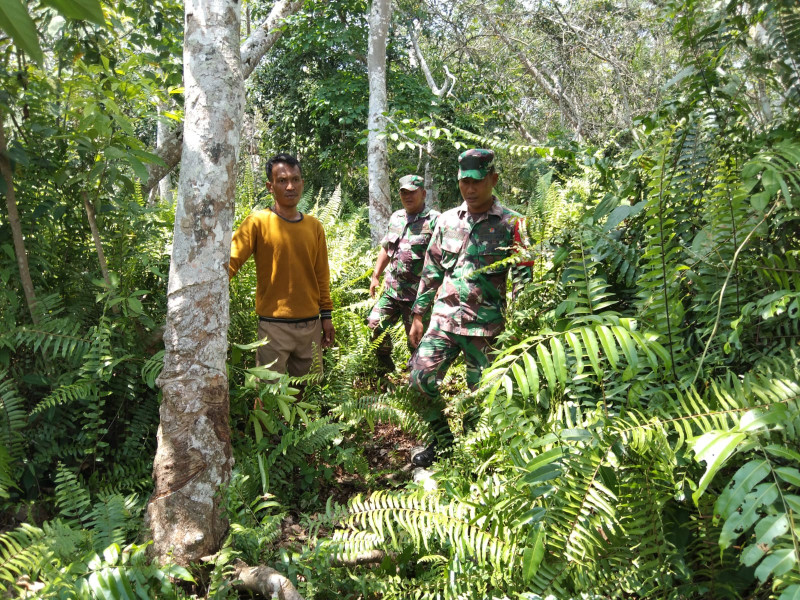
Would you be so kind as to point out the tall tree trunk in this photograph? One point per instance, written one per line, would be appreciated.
(252, 51)
(16, 227)
(194, 455)
(380, 206)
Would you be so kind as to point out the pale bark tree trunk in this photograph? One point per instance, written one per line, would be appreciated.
(380, 207)
(98, 244)
(16, 228)
(162, 191)
(194, 455)
(252, 51)
(162, 131)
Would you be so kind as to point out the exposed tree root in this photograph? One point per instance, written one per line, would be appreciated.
(265, 581)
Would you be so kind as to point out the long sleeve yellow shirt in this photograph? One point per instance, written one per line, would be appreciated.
(293, 278)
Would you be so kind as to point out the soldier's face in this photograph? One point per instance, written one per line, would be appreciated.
(477, 193)
(286, 185)
(414, 201)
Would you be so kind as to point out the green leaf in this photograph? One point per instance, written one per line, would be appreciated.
(532, 557)
(138, 168)
(789, 474)
(547, 364)
(791, 593)
(776, 564)
(714, 448)
(16, 22)
(592, 349)
(681, 75)
(135, 306)
(743, 518)
(532, 373)
(744, 480)
(755, 419)
(609, 345)
(522, 380)
(82, 10)
(263, 373)
(284, 408)
(559, 360)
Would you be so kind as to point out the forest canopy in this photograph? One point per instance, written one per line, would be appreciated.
(637, 431)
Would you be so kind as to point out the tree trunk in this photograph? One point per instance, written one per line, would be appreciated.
(98, 244)
(16, 228)
(194, 451)
(252, 51)
(380, 206)
(162, 131)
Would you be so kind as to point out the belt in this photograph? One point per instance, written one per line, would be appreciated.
(274, 320)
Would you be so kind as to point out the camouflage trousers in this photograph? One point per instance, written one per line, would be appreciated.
(384, 314)
(436, 352)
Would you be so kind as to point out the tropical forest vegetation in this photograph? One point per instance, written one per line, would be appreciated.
(637, 434)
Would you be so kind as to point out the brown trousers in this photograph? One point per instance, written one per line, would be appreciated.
(293, 347)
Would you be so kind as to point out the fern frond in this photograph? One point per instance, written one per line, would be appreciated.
(72, 498)
(394, 409)
(22, 552)
(13, 420)
(420, 519)
(56, 339)
(109, 521)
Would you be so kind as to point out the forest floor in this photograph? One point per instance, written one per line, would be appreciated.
(387, 449)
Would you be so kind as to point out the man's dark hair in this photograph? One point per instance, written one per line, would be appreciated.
(282, 158)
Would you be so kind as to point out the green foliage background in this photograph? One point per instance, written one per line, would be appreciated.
(637, 432)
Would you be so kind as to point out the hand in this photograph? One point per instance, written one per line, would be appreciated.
(328, 333)
(416, 331)
(373, 286)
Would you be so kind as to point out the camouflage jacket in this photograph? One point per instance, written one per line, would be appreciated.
(405, 242)
(460, 265)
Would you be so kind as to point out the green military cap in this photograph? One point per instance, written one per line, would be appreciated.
(411, 182)
(476, 163)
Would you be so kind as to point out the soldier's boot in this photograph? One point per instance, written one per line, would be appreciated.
(435, 417)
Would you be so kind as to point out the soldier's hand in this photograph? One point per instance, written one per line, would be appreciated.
(373, 286)
(416, 331)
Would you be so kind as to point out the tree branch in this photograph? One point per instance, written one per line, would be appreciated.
(447, 86)
(252, 51)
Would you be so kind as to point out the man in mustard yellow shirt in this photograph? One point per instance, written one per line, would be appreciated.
(293, 298)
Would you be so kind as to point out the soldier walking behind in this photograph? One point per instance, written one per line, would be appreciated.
(463, 265)
(402, 251)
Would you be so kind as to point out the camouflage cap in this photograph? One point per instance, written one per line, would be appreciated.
(411, 182)
(476, 163)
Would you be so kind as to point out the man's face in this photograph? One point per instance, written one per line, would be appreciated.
(477, 193)
(414, 201)
(286, 185)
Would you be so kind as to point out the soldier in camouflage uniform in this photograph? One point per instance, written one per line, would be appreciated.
(402, 251)
(463, 265)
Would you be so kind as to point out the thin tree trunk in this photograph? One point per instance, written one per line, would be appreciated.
(252, 51)
(16, 228)
(194, 455)
(162, 131)
(440, 93)
(380, 206)
(101, 257)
